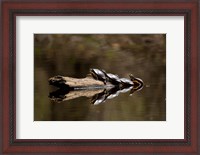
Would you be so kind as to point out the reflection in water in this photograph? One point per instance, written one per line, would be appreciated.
(108, 94)
(97, 96)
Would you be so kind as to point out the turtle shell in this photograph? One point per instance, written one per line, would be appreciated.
(138, 83)
(126, 81)
(98, 75)
(112, 78)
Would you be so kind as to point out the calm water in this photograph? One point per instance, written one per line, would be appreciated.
(73, 55)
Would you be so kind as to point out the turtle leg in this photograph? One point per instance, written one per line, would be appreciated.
(95, 76)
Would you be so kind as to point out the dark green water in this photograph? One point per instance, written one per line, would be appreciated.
(73, 55)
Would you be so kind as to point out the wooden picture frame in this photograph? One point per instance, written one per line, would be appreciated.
(11, 9)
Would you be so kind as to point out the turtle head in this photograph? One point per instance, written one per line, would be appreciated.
(131, 77)
(92, 72)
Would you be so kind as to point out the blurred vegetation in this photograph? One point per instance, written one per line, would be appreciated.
(143, 55)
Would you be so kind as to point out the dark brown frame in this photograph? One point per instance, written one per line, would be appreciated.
(187, 8)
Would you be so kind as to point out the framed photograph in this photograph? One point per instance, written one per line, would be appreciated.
(100, 77)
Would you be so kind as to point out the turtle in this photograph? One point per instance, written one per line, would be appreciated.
(125, 90)
(126, 82)
(138, 83)
(98, 75)
(113, 79)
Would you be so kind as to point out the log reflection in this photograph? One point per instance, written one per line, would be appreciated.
(96, 95)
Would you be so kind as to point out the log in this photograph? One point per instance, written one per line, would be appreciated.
(76, 83)
(90, 83)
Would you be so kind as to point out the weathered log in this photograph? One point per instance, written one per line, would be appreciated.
(92, 83)
(69, 82)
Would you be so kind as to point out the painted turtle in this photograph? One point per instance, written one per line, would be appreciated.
(98, 75)
(126, 82)
(112, 78)
(138, 83)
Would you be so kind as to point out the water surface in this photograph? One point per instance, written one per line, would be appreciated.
(73, 55)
